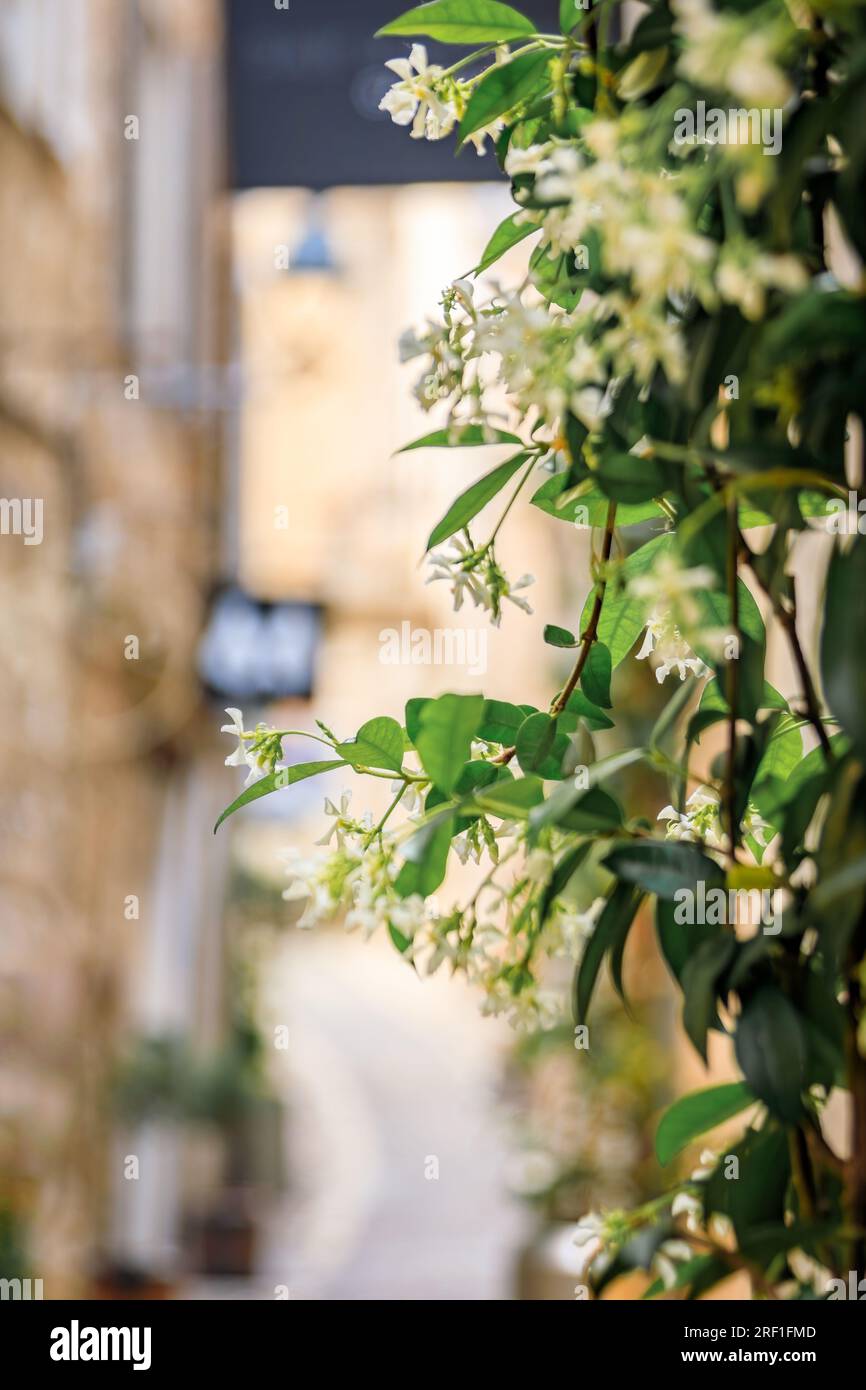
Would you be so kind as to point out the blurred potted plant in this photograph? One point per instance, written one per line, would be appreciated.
(227, 1091)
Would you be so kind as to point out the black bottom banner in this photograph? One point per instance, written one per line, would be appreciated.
(158, 1338)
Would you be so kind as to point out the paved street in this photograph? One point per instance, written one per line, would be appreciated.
(389, 1076)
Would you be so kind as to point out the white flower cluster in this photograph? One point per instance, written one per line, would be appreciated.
(429, 99)
(745, 273)
(354, 873)
(674, 620)
(354, 876)
(700, 821)
(730, 52)
(259, 750)
(646, 231)
(475, 573)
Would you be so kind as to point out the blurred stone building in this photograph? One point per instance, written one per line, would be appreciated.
(111, 307)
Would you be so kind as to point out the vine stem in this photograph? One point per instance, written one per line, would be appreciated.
(733, 679)
(787, 617)
(589, 634)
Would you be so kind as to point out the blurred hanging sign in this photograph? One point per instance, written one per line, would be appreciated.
(305, 81)
(255, 651)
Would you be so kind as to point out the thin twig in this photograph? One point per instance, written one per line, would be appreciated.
(733, 681)
(588, 636)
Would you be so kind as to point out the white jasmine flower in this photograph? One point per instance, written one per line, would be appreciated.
(754, 825)
(664, 642)
(466, 849)
(242, 756)
(754, 76)
(601, 136)
(744, 275)
(239, 757)
(339, 814)
(476, 573)
(522, 583)
(687, 1205)
(415, 99)
(568, 931)
(699, 822)
(669, 1255)
(525, 161)
(307, 885)
(586, 365)
(479, 138)
(588, 1236)
(590, 405)
(674, 623)
(728, 52)
(708, 1161)
(412, 344)
(448, 565)
(464, 291)
(671, 586)
(411, 800)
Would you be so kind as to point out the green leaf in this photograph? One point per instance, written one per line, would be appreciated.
(557, 278)
(694, 1114)
(275, 781)
(717, 613)
(512, 800)
(583, 811)
(595, 680)
(664, 866)
(462, 21)
(700, 977)
(503, 87)
(401, 942)
(470, 437)
(623, 618)
(573, 807)
(843, 641)
(627, 478)
(714, 698)
(678, 941)
(509, 233)
(586, 505)
(447, 727)
(413, 715)
(840, 884)
(570, 15)
(579, 707)
(749, 674)
(378, 743)
(784, 752)
(609, 934)
(470, 502)
(426, 857)
(537, 740)
(500, 721)
(772, 1048)
(567, 866)
(595, 810)
(559, 636)
(757, 1195)
(812, 763)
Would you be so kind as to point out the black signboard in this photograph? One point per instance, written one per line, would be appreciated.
(305, 84)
